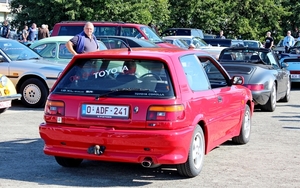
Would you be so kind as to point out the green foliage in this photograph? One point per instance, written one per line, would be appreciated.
(247, 19)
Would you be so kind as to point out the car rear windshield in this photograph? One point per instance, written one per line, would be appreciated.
(118, 78)
(246, 55)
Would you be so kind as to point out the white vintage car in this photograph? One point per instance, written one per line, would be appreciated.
(31, 75)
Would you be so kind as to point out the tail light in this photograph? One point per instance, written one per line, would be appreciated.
(55, 108)
(255, 87)
(166, 113)
(295, 72)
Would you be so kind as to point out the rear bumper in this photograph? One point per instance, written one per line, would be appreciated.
(133, 146)
(261, 97)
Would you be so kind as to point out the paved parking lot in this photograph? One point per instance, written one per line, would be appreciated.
(270, 159)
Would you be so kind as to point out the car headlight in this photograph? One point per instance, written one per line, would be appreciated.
(3, 81)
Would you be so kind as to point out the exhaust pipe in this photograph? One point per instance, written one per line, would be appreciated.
(147, 162)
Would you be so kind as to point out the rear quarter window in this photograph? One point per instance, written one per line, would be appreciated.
(194, 72)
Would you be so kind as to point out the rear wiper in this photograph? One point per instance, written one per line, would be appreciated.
(119, 90)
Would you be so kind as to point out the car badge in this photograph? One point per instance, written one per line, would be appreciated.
(136, 109)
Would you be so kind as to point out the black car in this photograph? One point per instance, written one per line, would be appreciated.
(268, 80)
(112, 42)
(183, 32)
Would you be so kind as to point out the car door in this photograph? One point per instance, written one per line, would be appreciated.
(282, 75)
(219, 105)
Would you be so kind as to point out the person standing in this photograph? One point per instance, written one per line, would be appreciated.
(269, 41)
(221, 35)
(288, 41)
(32, 33)
(84, 41)
(43, 32)
(25, 33)
(5, 30)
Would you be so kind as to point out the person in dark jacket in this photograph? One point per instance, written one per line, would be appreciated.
(84, 41)
(5, 29)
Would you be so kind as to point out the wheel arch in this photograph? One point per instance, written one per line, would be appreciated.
(201, 123)
(26, 77)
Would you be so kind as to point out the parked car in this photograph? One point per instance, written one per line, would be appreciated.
(71, 28)
(30, 73)
(293, 52)
(7, 93)
(199, 44)
(150, 106)
(253, 43)
(268, 80)
(183, 32)
(294, 67)
(112, 42)
(176, 41)
(218, 42)
(54, 48)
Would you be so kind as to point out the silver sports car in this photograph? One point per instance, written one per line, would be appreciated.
(268, 80)
(30, 73)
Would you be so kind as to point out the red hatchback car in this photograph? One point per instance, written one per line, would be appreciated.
(151, 106)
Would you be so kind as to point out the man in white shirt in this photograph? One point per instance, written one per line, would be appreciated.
(288, 42)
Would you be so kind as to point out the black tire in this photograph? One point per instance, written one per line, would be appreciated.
(34, 93)
(3, 110)
(271, 104)
(244, 135)
(287, 96)
(68, 162)
(193, 166)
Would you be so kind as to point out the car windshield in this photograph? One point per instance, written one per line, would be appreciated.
(117, 77)
(17, 51)
(153, 37)
(245, 55)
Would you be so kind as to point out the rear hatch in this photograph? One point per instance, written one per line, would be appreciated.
(112, 93)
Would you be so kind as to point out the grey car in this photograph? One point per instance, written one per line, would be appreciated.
(30, 73)
(268, 80)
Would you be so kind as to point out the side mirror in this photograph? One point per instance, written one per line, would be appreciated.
(237, 80)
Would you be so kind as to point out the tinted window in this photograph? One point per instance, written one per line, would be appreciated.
(129, 32)
(194, 73)
(70, 30)
(105, 30)
(133, 78)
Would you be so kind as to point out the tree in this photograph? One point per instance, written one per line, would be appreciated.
(291, 20)
(51, 12)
